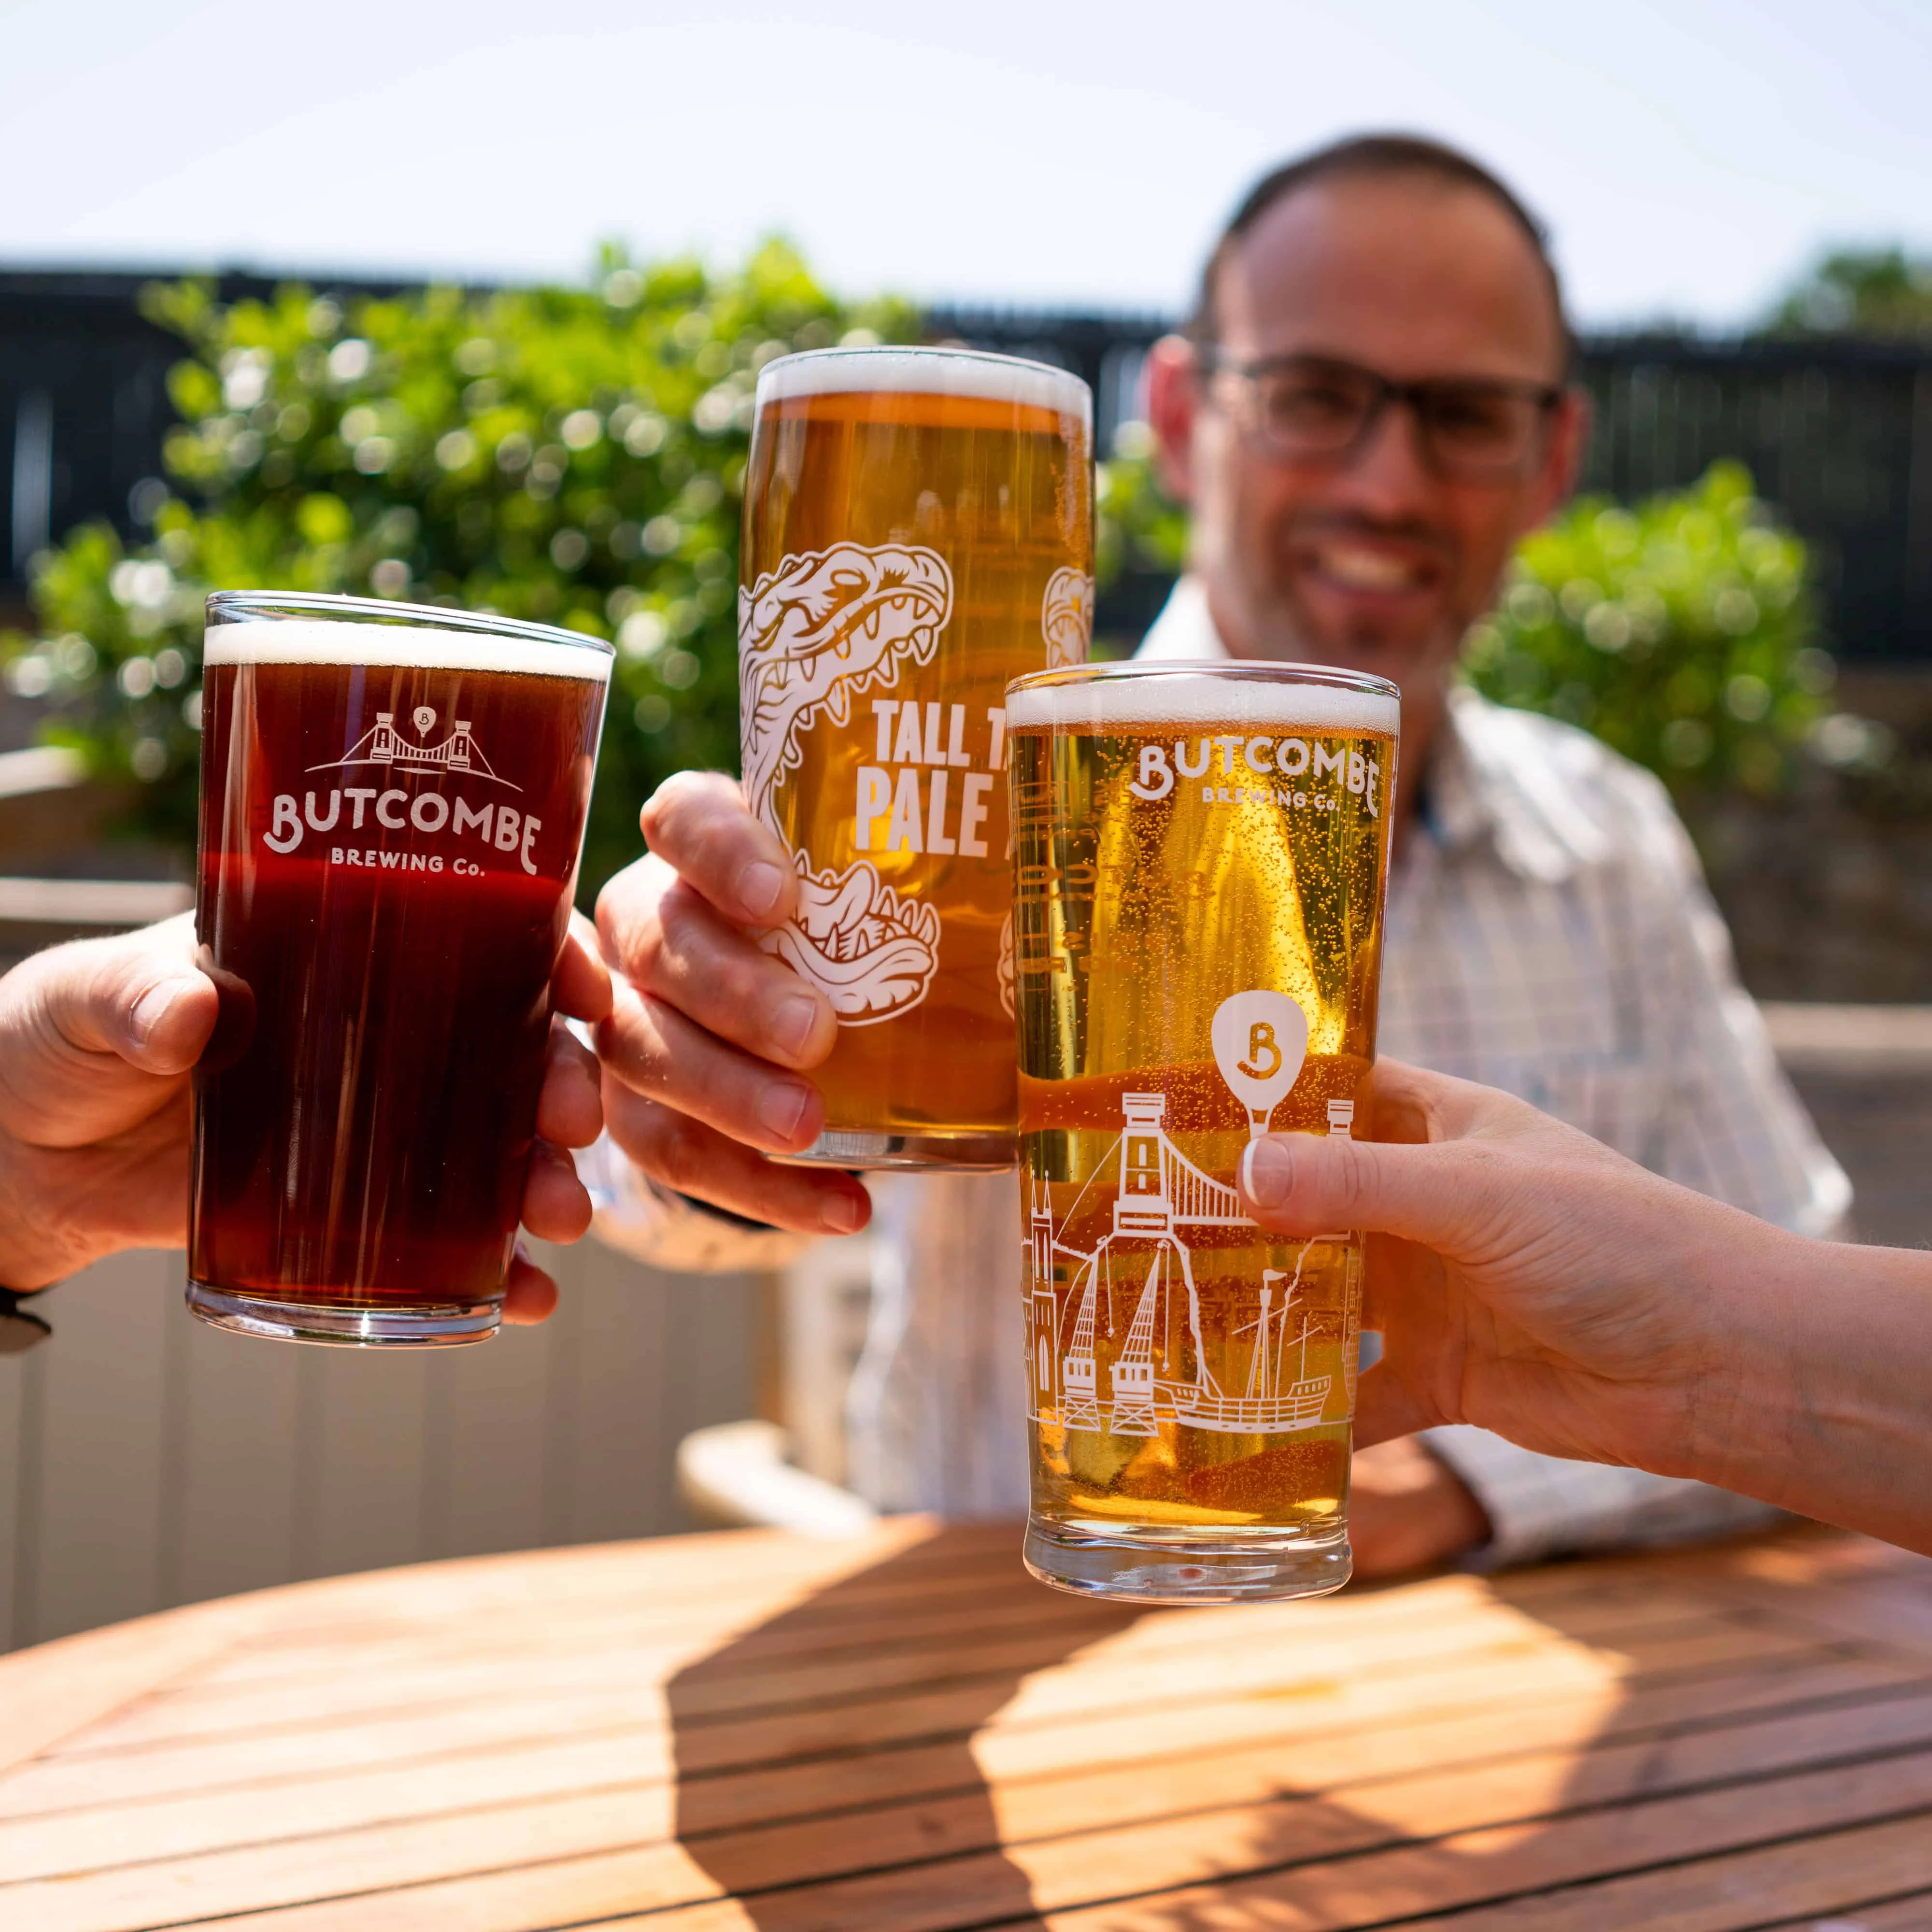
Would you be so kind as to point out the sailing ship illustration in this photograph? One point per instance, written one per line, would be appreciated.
(1160, 1195)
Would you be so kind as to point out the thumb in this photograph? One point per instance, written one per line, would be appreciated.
(140, 998)
(1301, 1184)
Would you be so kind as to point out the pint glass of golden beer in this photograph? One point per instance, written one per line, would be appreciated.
(918, 532)
(1200, 853)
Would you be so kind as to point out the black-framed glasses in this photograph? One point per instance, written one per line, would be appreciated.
(1320, 409)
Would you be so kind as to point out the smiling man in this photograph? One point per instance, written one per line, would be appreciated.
(1371, 406)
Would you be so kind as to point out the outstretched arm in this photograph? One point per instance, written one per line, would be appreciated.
(1529, 1280)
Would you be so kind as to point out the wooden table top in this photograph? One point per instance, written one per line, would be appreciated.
(902, 1732)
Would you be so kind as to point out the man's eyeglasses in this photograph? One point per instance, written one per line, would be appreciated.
(1317, 409)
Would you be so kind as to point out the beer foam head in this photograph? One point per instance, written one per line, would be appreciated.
(1286, 697)
(323, 640)
(927, 372)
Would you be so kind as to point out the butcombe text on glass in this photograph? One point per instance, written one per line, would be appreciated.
(918, 532)
(392, 808)
(1201, 854)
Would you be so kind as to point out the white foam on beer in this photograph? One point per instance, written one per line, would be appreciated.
(927, 372)
(1135, 701)
(322, 640)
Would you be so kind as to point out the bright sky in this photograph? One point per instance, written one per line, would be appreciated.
(1690, 155)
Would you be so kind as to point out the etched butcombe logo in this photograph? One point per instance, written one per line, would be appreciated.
(812, 634)
(381, 806)
(1066, 617)
(382, 744)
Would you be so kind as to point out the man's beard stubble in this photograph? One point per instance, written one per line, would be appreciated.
(1274, 622)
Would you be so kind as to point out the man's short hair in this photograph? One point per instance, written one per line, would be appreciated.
(1374, 157)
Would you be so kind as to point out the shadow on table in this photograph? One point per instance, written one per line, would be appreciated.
(834, 1741)
(1658, 1801)
(1604, 1728)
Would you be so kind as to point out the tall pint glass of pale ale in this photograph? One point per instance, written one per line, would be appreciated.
(1201, 854)
(918, 532)
(392, 807)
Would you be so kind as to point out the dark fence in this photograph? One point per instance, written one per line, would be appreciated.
(1838, 433)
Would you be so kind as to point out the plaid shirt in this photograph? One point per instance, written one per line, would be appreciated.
(1549, 933)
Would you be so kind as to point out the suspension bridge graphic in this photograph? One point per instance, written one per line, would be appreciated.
(1160, 1196)
(383, 745)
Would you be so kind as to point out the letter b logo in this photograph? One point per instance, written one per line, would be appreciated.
(1156, 778)
(1263, 1052)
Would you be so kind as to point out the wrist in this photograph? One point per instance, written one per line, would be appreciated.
(1715, 1409)
(1838, 1392)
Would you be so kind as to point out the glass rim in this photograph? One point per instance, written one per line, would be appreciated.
(1061, 389)
(237, 606)
(1234, 670)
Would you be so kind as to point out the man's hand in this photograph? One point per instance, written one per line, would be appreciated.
(98, 1039)
(1408, 1510)
(707, 1044)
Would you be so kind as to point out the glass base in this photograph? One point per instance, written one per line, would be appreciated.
(937, 1152)
(1185, 1566)
(446, 1326)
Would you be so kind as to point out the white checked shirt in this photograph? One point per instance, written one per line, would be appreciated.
(1549, 933)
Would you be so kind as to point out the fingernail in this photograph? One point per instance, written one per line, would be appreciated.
(782, 1106)
(152, 1007)
(759, 886)
(842, 1214)
(1267, 1171)
(793, 1023)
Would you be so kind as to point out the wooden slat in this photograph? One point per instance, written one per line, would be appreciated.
(1430, 1798)
(1169, 1796)
(50, 1693)
(1912, 1913)
(1834, 1874)
(1358, 1737)
(1354, 1740)
(875, 1609)
(1096, 1707)
(1825, 1873)
(878, 1737)
(1153, 1652)
(1338, 1879)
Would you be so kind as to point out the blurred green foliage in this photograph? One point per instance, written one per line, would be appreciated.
(1681, 630)
(575, 456)
(1880, 292)
(1136, 526)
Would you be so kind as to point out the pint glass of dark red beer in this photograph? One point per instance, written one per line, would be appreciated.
(392, 807)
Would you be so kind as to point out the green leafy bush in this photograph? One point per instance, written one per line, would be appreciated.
(1681, 631)
(575, 456)
(1136, 526)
